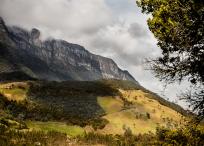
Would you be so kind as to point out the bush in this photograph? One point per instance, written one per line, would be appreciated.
(185, 136)
(148, 115)
(118, 140)
(99, 123)
(30, 138)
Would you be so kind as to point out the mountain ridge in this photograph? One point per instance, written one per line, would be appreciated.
(55, 59)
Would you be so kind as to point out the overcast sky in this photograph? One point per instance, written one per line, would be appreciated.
(112, 28)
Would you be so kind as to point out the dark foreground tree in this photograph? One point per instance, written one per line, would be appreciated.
(178, 25)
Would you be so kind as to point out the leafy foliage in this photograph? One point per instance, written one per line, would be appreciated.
(188, 136)
(18, 138)
(178, 26)
(98, 123)
(118, 140)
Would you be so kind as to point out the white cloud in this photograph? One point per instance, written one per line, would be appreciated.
(74, 17)
(122, 46)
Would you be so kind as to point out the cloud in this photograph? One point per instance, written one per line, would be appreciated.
(117, 42)
(78, 17)
(137, 31)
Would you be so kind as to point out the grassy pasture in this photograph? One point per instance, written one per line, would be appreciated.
(55, 126)
(134, 116)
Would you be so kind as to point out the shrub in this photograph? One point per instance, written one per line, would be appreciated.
(148, 115)
(185, 136)
(99, 123)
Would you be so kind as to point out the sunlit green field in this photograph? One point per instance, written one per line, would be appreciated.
(55, 126)
(110, 104)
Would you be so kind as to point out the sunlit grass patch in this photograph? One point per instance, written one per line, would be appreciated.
(141, 116)
(16, 91)
(110, 104)
(14, 94)
(55, 126)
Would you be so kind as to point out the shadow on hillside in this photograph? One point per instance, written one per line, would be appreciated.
(69, 100)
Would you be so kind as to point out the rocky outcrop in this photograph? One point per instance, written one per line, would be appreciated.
(59, 60)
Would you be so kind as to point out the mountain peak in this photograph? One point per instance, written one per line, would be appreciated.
(35, 37)
(1, 21)
(35, 33)
(4, 33)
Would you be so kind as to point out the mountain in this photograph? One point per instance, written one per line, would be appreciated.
(54, 59)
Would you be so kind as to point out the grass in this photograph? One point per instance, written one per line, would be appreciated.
(138, 97)
(56, 126)
(16, 91)
(141, 104)
(14, 94)
(110, 104)
(118, 120)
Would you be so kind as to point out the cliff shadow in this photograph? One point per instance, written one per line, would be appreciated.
(70, 101)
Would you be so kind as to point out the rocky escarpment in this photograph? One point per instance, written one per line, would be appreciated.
(59, 60)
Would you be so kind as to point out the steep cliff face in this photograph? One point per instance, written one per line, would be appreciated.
(59, 60)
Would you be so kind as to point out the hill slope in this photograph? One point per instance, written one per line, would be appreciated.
(99, 105)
